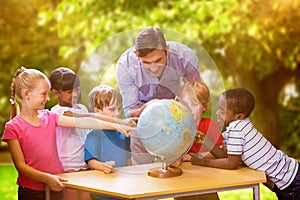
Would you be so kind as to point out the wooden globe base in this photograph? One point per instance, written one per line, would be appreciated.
(164, 173)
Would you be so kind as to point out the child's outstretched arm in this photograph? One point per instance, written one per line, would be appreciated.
(53, 181)
(93, 123)
(230, 162)
(215, 150)
(128, 121)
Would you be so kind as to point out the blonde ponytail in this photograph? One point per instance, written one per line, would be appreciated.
(15, 109)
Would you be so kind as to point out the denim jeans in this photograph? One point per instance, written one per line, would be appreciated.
(292, 192)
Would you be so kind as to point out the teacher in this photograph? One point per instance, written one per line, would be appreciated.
(152, 69)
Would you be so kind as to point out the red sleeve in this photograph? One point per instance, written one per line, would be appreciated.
(212, 130)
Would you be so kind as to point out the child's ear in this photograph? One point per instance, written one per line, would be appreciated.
(54, 92)
(25, 94)
(97, 110)
(167, 50)
(240, 116)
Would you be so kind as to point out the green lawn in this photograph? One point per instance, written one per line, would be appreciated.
(244, 194)
(8, 189)
(8, 177)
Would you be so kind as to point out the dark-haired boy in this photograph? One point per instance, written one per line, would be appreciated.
(243, 142)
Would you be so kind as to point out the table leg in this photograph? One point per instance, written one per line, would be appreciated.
(256, 193)
(47, 192)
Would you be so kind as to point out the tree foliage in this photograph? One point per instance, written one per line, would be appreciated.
(254, 43)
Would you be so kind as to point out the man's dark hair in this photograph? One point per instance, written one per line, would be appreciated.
(148, 40)
(240, 100)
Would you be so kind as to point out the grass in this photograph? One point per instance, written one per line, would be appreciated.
(8, 189)
(243, 194)
(8, 177)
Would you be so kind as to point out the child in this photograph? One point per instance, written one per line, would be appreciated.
(196, 96)
(65, 85)
(105, 149)
(31, 135)
(61, 80)
(243, 142)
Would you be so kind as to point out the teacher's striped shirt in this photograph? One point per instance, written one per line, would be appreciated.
(241, 138)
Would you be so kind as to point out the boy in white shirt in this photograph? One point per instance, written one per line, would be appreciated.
(242, 142)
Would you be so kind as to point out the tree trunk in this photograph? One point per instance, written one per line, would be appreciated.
(265, 116)
(266, 92)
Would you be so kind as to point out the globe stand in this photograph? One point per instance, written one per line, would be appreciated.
(164, 171)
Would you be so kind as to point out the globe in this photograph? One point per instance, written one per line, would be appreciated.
(166, 129)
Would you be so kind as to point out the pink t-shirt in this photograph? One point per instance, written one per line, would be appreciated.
(38, 144)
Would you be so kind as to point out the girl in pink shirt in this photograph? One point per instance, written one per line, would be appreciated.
(31, 135)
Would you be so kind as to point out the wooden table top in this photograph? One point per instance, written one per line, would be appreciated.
(133, 182)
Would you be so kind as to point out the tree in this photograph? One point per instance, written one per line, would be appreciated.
(263, 55)
(23, 42)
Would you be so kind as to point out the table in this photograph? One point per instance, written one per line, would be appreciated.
(132, 182)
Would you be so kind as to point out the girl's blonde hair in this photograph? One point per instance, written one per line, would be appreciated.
(23, 79)
(197, 91)
(102, 96)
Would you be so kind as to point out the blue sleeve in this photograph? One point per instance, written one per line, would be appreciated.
(127, 147)
(92, 146)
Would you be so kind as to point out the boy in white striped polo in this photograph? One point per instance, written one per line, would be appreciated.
(242, 142)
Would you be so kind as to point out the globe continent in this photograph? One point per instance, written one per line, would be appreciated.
(166, 129)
